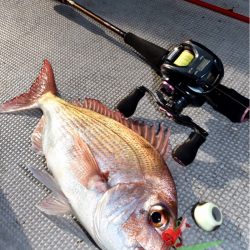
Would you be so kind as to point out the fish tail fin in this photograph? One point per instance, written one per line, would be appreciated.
(44, 83)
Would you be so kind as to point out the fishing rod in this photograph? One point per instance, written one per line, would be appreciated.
(191, 75)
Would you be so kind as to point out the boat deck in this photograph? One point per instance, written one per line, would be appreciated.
(90, 61)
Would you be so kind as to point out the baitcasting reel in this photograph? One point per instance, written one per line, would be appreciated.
(191, 75)
(189, 72)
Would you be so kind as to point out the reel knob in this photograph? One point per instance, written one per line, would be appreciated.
(186, 152)
(127, 106)
(207, 216)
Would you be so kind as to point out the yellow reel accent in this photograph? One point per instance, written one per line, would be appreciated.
(184, 59)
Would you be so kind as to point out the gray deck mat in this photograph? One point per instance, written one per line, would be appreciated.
(90, 61)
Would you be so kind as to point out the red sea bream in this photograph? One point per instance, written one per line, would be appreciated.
(107, 170)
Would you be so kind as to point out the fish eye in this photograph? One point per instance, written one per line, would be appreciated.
(159, 216)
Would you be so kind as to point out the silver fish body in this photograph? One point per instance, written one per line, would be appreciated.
(115, 182)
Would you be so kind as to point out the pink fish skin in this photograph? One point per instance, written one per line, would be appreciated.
(108, 171)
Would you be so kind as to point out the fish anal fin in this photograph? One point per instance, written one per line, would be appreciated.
(159, 140)
(36, 137)
(54, 205)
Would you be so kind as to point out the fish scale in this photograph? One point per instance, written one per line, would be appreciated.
(146, 162)
(104, 144)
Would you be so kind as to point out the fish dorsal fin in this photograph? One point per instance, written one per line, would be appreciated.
(100, 108)
(158, 139)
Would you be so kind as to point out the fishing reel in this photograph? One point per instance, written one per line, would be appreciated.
(191, 75)
(190, 71)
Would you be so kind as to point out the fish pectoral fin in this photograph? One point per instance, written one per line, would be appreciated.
(54, 205)
(86, 168)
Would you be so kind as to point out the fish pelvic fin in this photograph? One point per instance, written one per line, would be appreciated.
(56, 203)
(159, 139)
(44, 83)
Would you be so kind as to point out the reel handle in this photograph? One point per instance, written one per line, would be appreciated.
(186, 152)
(127, 106)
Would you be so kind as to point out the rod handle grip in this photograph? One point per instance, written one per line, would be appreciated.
(229, 103)
(151, 52)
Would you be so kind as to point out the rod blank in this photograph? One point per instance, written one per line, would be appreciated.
(97, 18)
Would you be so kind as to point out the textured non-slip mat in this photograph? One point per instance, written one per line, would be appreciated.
(93, 62)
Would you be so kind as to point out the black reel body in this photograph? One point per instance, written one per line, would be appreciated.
(193, 68)
(190, 71)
